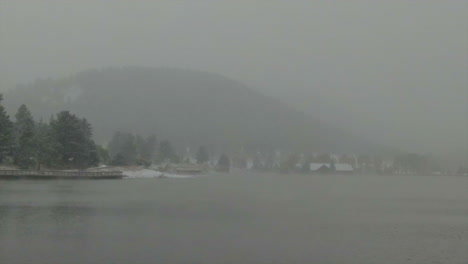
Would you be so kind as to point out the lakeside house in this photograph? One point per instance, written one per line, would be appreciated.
(319, 167)
(341, 168)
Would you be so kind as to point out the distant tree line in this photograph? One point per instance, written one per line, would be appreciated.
(415, 164)
(126, 149)
(64, 142)
(400, 163)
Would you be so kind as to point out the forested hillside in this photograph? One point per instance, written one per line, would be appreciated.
(188, 107)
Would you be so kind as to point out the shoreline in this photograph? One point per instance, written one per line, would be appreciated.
(57, 174)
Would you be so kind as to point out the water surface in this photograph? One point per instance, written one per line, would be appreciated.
(237, 218)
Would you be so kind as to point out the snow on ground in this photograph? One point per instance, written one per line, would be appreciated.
(132, 172)
(143, 173)
(146, 173)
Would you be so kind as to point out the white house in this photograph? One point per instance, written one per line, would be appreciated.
(343, 168)
(319, 167)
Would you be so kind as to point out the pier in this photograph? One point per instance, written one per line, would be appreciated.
(68, 175)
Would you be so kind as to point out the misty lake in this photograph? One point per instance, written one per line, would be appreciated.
(237, 218)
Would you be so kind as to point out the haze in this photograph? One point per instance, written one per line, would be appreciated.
(394, 71)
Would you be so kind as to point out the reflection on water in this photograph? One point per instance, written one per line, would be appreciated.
(57, 216)
(236, 219)
(26, 220)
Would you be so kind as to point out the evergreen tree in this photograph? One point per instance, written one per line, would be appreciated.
(257, 164)
(119, 160)
(123, 149)
(166, 152)
(332, 166)
(115, 145)
(306, 165)
(6, 132)
(25, 151)
(324, 158)
(290, 163)
(347, 159)
(364, 162)
(269, 162)
(223, 163)
(202, 155)
(66, 130)
(89, 151)
(139, 145)
(46, 146)
(147, 152)
(103, 154)
(75, 146)
(129, 149)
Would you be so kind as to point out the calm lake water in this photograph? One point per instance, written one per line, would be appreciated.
(237, 218)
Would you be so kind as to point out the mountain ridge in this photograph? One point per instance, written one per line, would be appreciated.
(186, 106)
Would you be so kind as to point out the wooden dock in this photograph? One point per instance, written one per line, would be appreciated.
(68, 175)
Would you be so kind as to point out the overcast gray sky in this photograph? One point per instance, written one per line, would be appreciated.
(393, 71)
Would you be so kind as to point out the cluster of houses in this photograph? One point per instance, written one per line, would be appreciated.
(323, 163)
(317, 163)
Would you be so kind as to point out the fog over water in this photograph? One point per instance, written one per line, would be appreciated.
(237, 218)
(391, 71)
(224, 126)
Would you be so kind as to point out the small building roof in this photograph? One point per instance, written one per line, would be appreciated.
(316, 166)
